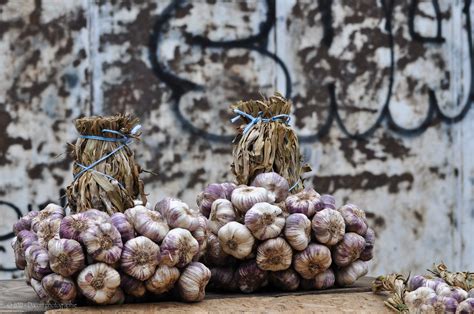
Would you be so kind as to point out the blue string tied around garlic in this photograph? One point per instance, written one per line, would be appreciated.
(259, 118)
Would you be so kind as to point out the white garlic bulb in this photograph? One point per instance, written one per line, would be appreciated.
(163, 279)
(274, 254)
(328, 226)
(236, 240)
(416, 299)
(265, 221)
(222, 212)
(348, 275)
(140, 256)
(276, 185)
(151, 224)
(103, 242)
(298, 231)
(59, 288)
(131, 213)
(313, 260)
(178, 214)
(193, 281)
(178, 248)
(65, 256)
(244, 197)
(98, 282)
(51, 211)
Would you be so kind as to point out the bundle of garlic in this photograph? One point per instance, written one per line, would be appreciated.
(141, 253)
(261, 235)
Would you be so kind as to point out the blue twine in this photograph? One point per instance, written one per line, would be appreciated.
(257, 119)
(294, 185)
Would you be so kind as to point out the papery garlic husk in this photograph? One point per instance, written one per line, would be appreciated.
(73, 226)
(140, 256)
(250, 277)
(298, 231)
(132, 286)
(59, 288)
(348, 250)
(274, 254)
(222, 212)
(37, 260)
(24, 223)
(368, 252)
(201, 234)
(178, 248)
(124, 227)
(244, 197)
(103, 242)
(223, 279)
(328, 201)
(178, 214)
(47, 230)
(265, 221)
(65, 256)
(117, 298)
(421, 296)
(215, 255)
(51, 211)
(151, 225)
(354, 218)
(40, 291)
(466, 306)
(346, 276)
(275, 184)
(97, 216)
(163, 279)
(193, 281)
(131, 213)
(286, 280)
(328, 226)
(236, 240)
(98, 282)
(306, 202)
(211, 193)
(313, 260)
(20, 243)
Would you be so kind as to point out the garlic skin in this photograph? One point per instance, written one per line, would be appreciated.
(211, 193)
(215, 255)
(325, 280)
(328, 226)
(65, 257)
(328, 201)
(151, 225)
(313, 260)
(98, 282)
(442, 304)
(131, 213)
(286, 280)
(132, 286)
(103, 242)
(222, 212)
(193, 281)
(276, 185)
(236, 240)
(178, 214)
(421, 296)
(140, 256)
(20, 261)
(466, 306)
(124, 227)
(368, 252)
(47, 230)
(223, 279)
(348, 250)
(163, 279)
(51, 211)
(97, 216)
(274, 254)
(244, 197)
(306, 202)
(178, 248)
(354, 218)
(346, 276)
(265, 221)
(37, 260)
(228, 188)
(201, 234)
(73, 226)
(250, 277)
(24, 223)
(40, 291)
(298, 231)
(59, 288)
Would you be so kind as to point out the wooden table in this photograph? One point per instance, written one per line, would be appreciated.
(16, 296)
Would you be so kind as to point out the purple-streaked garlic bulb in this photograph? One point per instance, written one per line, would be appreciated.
(193, 281)
(306, 202)
(99, 282)
(132, 286)
(97, 216)
(324, 280)
(59, 288)
(276, 185)
(433, 283)
(420, 300)
(415, 282)
(222, 212)
(442, 304)
(211, 193)
(298, 231)
(215, 255)
(286, 280)
(265, 221)
(178, 214)
(140, 256)
(250, 277)
(313, 260)
(51, 211)
(466, 306)
(20, 261)
(228, 188)
(178, 248)
(348, 250)
(328, 201)
(236, 240)
(368, 252)
(103, 242)
(65, 256)
(346, 276)
(223, 279)
(445, 290)
(131, 213)
(73, 226)
(328, 226)
(201, 234)
(123, 226)
(274, 254)
(20, 243)
(39, 290)
(244, 197)
(151, 224)
(354, 218)
(47, 230)
(163, 279)
(24, 223)
(37, 260)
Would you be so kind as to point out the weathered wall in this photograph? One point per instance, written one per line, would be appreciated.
(381, 103)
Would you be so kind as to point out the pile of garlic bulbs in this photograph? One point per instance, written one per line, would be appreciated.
(136, 255)
(261, 235)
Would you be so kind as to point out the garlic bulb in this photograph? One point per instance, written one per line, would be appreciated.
(24, 223)
(40, 291)
(98, 282)
(286, 280)
(151, 225)
(47, 230)
(442, 304)
(97, 216)
(313, 260)
(222, 212)
(250, 277)
(124, 227)
(265, 221)
(349, 249)
(306, 202)
(178, 248)
(65, 256)
(178, 214)
(73, 226)
(37, 260)
(276, 185)
(103, 242)
(355, 219)
(244, 197)
(223, 279)
(416, 299)
(131, 213)
(192, 282)
(236, 240)
(132, 286)
(140, 256)
(274, 254)
(51, 211)
(348, 275)
(201, 234)
(445, 290)
(215, 255)
(20, 243)
(20, 261)
(328, 226)
(228, 188)
(163, 279)
(325, 279)
(117, 298)
(211, 193)
(367, 254)
(466, 306)
(59, 288)
(298, 231)
(328, 201)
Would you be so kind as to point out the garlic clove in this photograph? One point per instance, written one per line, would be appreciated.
(178, 248)
(367, 254)
(313, 260)
(163, 279)
(24, 223)
(37, 260)
(151, 225)
(140, 256)
(222, 212)
(215, 255)
(51, 211)
(328, 226)
(346, 276)
(348, 250)
(65, 256)
(47, 230)
(72, 226)
(211, 193)
(274, 254)
(124, 227)
(298, 231)
(244, 197)
(286, 280)
(98, 282)
(223, 279)
(306, 202)
(276, 185)
(250, 277)
(354, 218)
(178, 214)
(193, 281)
(236, 240)
(132, 286)
(265, 221)
(103, 242)
(59, 288)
